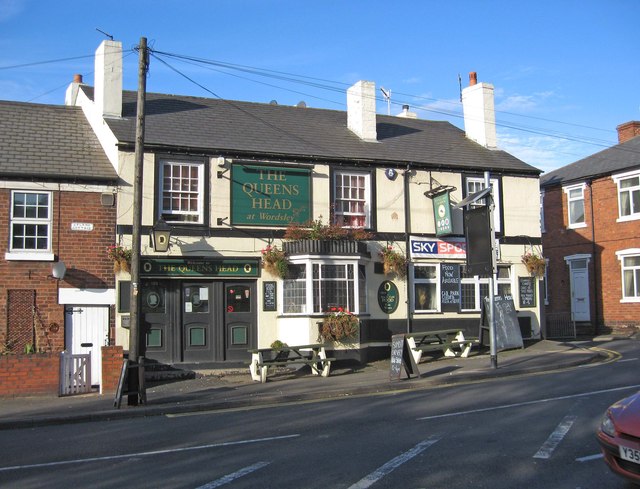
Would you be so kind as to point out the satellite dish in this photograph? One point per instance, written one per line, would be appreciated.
(470, 199)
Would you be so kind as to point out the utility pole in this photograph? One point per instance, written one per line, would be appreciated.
(492, 278)
(136, 380)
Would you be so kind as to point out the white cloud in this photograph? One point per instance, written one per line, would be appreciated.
(523, 103)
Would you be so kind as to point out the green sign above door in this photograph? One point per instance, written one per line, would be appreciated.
(270, 195)
(199, 267)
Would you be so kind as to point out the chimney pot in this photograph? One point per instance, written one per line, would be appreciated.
(77, 78)
(473, 78)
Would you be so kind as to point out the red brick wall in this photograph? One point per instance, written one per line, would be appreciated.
(600, 239)
(29, 375)
(112, 358)
(84, 254)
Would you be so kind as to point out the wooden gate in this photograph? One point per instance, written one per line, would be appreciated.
(75, 373)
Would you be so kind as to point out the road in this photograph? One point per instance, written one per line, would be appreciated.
(532, 431)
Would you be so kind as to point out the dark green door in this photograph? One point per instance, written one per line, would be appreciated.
(198, 322)
(240, 319)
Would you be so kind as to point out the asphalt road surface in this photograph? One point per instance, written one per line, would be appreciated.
(531, 432)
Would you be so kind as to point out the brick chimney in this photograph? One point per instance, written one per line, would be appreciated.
(108, 79)
(71, 94)
(479, 112)
(628, 130)
(361, 110)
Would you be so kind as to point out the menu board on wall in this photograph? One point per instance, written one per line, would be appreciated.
(450, 287)
(527, 291)
(269, 292)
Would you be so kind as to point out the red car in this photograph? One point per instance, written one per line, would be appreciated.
(619, 437)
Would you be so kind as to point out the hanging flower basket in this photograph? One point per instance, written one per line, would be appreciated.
(121, 257)
(535, 264)
(274, 261)
(339, 324)
(394, 262)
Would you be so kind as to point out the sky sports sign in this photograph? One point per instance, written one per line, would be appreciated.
(438, 248)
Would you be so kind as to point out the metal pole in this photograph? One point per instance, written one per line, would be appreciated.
(492, 278)
(136, 383)
(407, 242)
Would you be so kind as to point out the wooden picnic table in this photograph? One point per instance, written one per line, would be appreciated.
(451, 342)
(313, 355)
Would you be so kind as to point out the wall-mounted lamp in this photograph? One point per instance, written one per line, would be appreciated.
(221, 220)
(58, 270)
(160, 234)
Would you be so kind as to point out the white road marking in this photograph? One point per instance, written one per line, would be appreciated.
(628, 360)
(145, 454)
(589, 458)
(392, 464)
(547, 448)
(236, 475)
(527, 403)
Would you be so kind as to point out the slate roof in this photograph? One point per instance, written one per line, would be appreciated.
(253, 129)
(618, 158)
(50, 142)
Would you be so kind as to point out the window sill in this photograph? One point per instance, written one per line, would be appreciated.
(28, 256)
(630, 300)
(633, 217)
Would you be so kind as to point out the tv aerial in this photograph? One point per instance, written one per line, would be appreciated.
(387, 96)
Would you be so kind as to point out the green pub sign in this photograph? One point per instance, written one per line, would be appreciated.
(442, 214)
(388, 297)
(263, 195)
(199, 267)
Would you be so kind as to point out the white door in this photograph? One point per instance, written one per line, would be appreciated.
(580, 306)
(87, 331)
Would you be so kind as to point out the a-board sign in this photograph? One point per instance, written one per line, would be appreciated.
(527, 291)
(388, 297)
(450, 287)
(401, 357)
(269, 296)
(508, 335)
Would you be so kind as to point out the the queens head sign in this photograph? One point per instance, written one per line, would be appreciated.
(438, 248)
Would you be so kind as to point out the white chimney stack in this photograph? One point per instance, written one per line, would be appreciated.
(406, 113)
(479, 112)
(108, 79)
(361, 110)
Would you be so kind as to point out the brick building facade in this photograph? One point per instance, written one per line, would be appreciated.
(591, 237)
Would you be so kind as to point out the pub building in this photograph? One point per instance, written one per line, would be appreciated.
(229, 179)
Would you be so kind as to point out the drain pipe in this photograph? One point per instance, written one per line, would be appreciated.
(595, 263)
(407, 243)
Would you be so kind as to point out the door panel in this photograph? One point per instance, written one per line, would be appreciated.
(580, 306)
(158, 322)
(198, 322)
(240, 319)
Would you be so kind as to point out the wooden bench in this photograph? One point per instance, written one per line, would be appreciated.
(451, 342)
(313, 355)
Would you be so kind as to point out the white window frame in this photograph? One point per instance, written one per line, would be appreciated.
(431, 281)
(569, 190)
(339, 214)
(542, 228)
(478, 281)
(199, 214)
(629, 253)
(618, 179)
(478, 185)
(28, 253)
(312, 304)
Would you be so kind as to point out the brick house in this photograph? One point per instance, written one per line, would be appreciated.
(57, 218)
(228, 177)
(591, 237)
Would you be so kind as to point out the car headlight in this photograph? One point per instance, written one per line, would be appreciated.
(607, 425)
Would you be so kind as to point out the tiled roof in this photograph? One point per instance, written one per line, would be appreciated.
(50, 142)
(618, 158)
(263, 130)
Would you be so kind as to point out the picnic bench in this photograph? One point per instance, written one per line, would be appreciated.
(451, 342)
(313, 355)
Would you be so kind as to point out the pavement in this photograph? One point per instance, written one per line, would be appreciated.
(215, 390)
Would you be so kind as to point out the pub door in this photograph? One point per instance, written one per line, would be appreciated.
(159, 315)
(240, 319)
(198, 322)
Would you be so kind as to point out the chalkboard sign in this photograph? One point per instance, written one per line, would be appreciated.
(450, 287)
(269, 294)
(508, 335)
(401, 356)
(527, 291)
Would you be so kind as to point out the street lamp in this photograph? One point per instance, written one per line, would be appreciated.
(160, 234)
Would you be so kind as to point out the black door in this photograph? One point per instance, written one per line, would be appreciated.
(240, 319)
(158, 322)
(198, 322)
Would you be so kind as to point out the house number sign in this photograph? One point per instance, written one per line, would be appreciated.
(81, 226)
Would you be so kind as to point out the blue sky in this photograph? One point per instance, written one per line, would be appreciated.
(565, 72)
